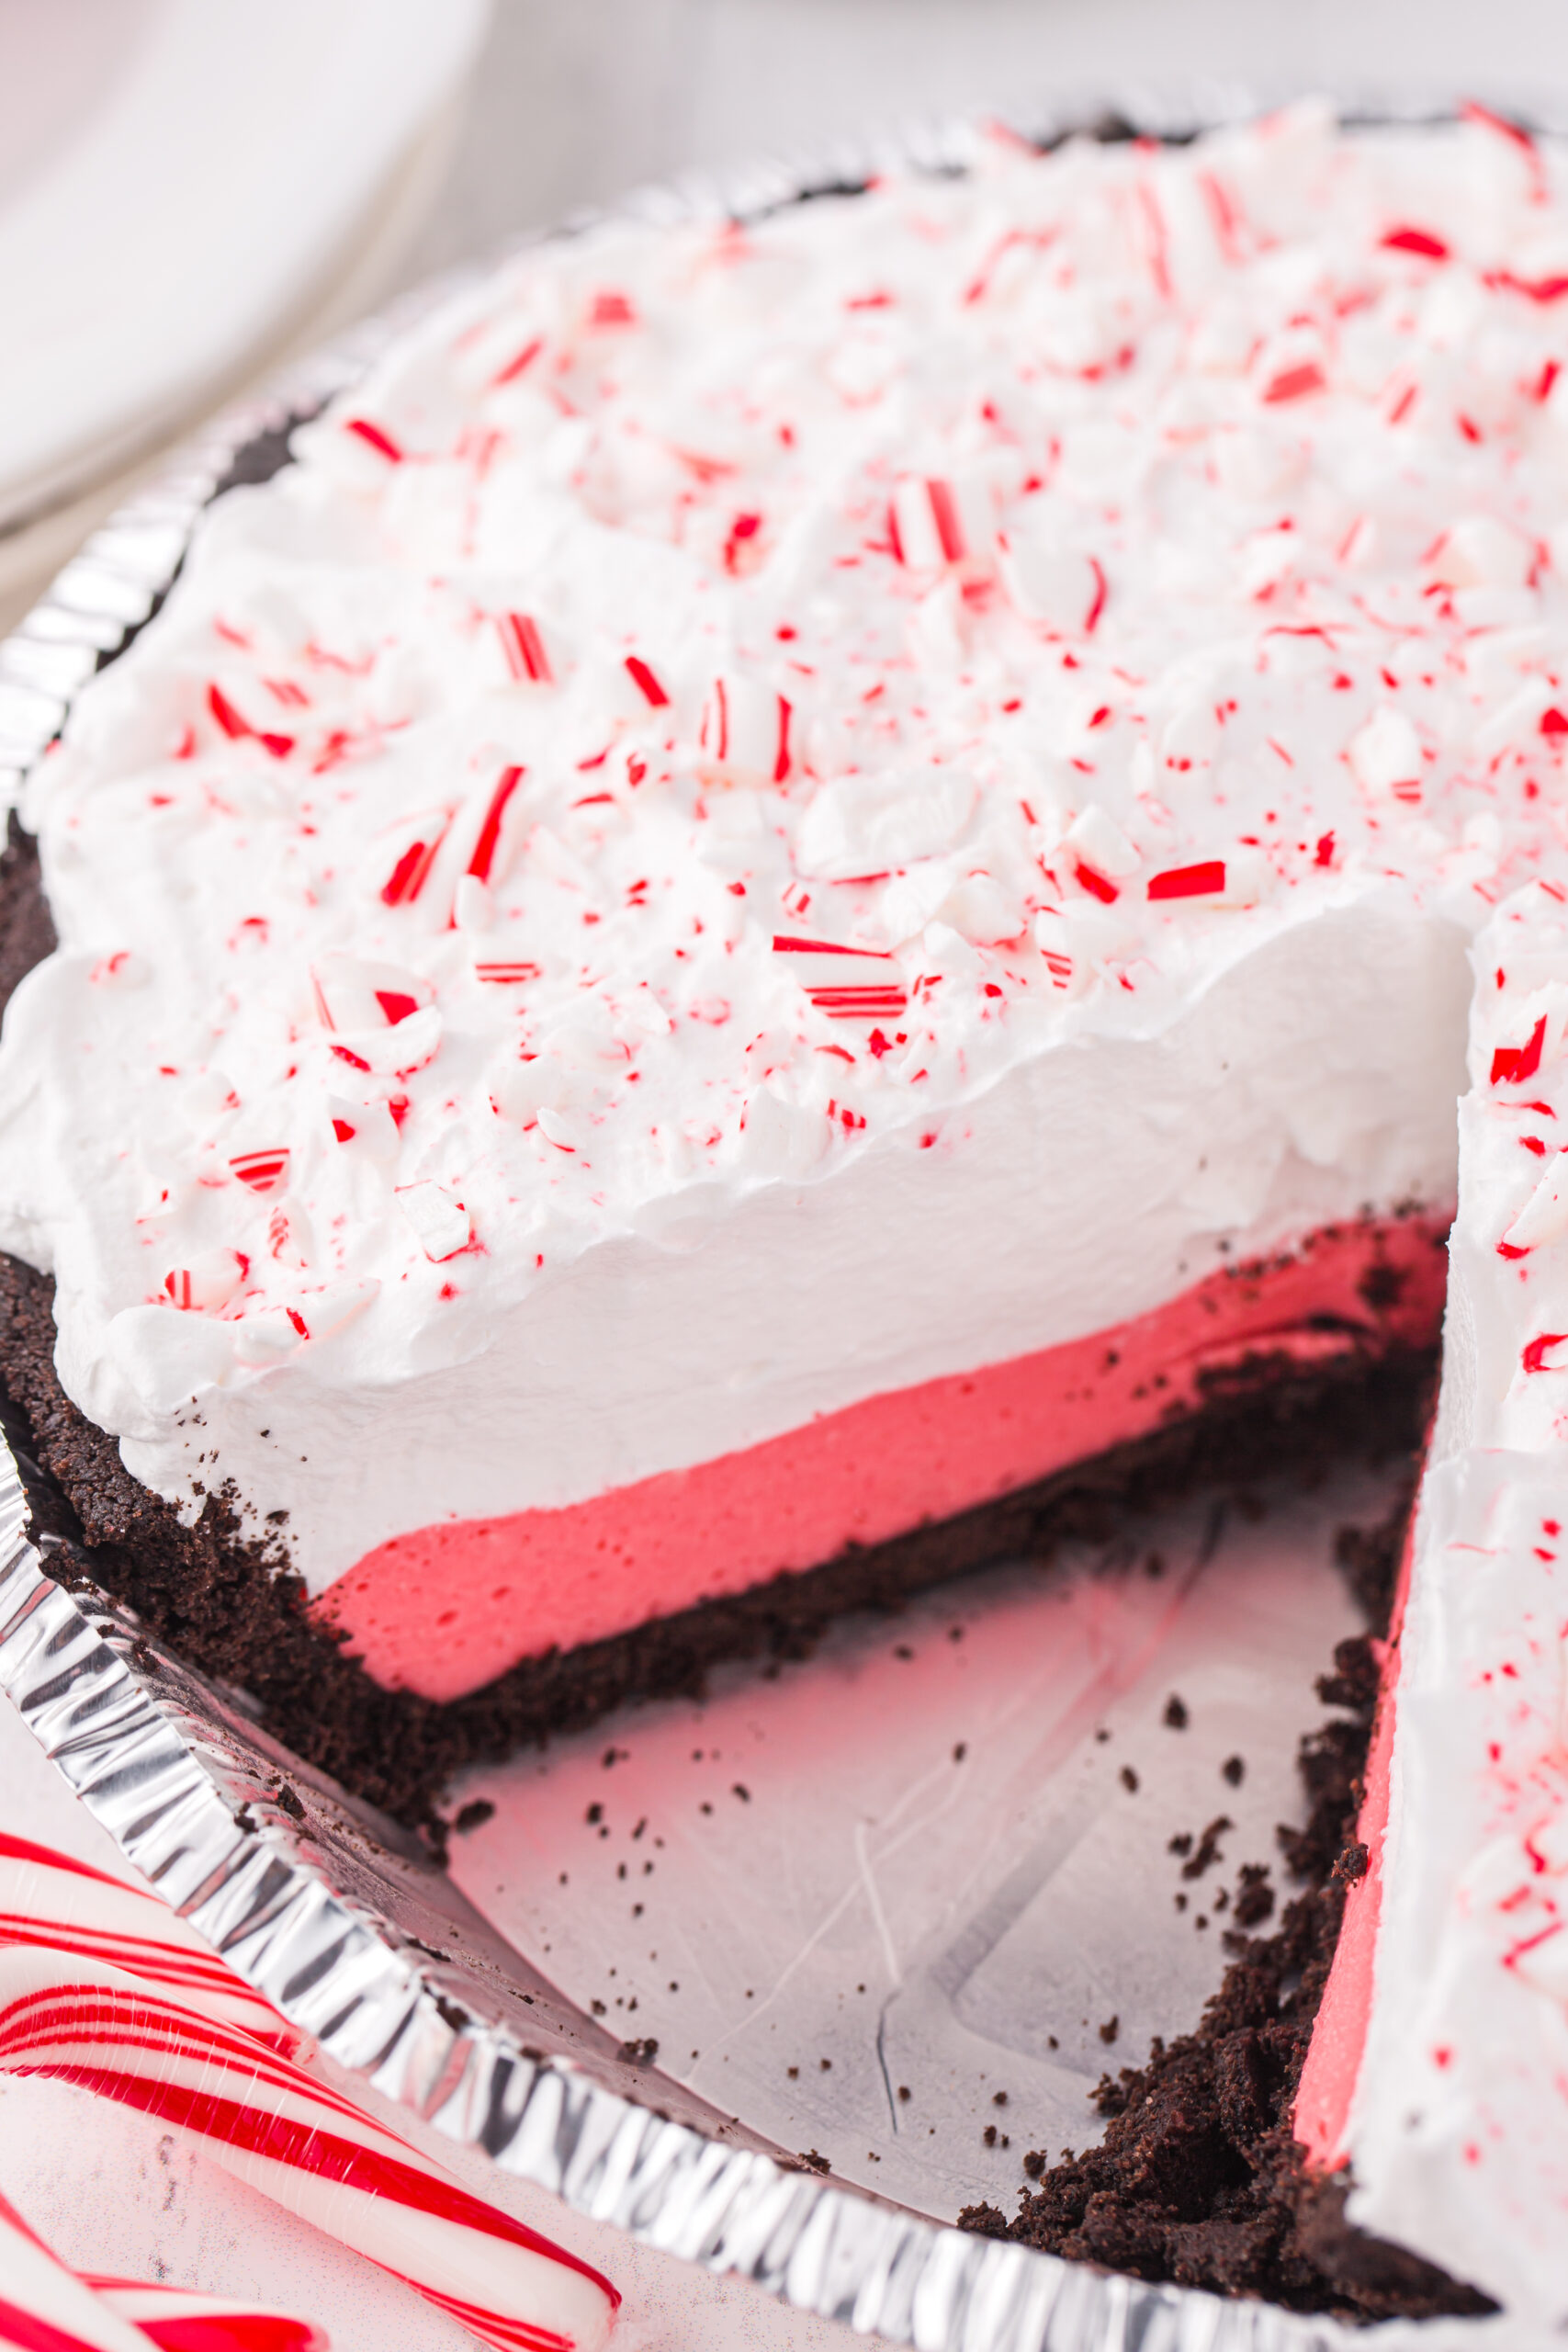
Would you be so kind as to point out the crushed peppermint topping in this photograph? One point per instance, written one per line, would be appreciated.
(905, 632)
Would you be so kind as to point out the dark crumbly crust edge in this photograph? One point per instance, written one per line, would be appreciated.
(1199, 2178)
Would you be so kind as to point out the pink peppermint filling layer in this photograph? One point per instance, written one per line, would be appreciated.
(444, 1609)
(1339, 2036)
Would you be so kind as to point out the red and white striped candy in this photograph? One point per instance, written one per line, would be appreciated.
(303, 2144)
(262, 1171)
(846, 983)
(205, 1282)
(65, 1907)
(182, 2319)
(405, 855)
(745, 729)
(480, 845)
(352, 994)
(527, 655)
(942, 525)
(44, 2306)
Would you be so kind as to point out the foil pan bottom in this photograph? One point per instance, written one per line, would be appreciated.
(922, 1888)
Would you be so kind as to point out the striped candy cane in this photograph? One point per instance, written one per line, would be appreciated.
(48, 1899)
(44, 2306)
(182, 2319)
(313, 2151)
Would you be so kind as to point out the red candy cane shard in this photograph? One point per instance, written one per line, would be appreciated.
(303, 2144)
(1417, 240)
(410, 874)
(376, 438)
(831, 978)
(490, 830)
(224, 712)
(647, 684)
(499, 972)
(1295, 383)
(1098, 886)
(262, 1171)
(519, 364)
(1202, 881)
(1513, 1064)
(525, 650)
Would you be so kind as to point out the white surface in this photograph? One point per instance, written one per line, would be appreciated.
(166, 213)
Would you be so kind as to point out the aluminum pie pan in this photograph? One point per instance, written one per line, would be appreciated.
(328, 1911)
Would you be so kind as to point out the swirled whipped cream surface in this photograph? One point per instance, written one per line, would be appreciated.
(773, 812)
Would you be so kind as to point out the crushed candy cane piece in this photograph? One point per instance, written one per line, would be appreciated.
(206, 1282)
(438, 1218)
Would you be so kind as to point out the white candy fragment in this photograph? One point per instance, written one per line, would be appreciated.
(558, 1128)
(1248, 877)
(872, 824)
(1544, 1216)
(939, 631)
(1480, 552)
(780, 1139)
(1385, 756)
(438, 1218)
(473, 907)
(521, 1090)
(366, 1127)
(1099, 839)
(1056, 585)
(913, 896)
(269, 1336)
(982, 910)
(1078, 942)
(1515, 720)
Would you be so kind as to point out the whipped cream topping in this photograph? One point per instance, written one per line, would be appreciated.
(1457, 2127)
(772, 811)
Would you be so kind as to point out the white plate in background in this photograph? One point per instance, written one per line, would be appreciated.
(181, 181)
